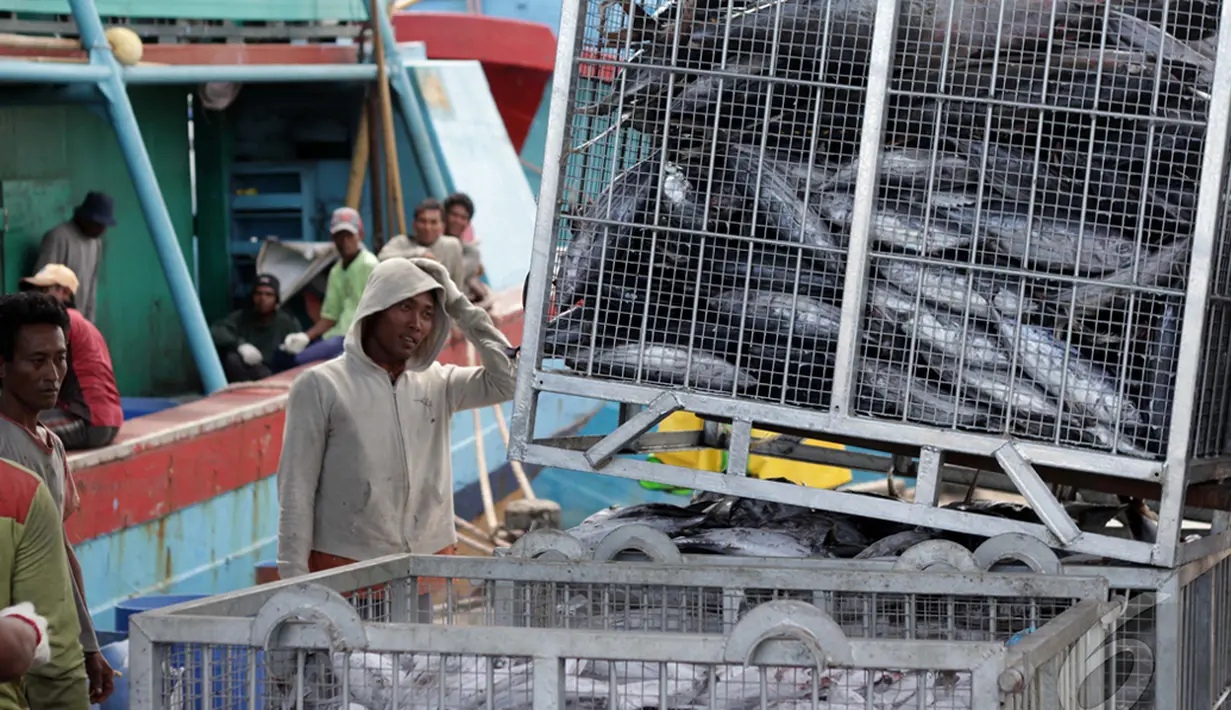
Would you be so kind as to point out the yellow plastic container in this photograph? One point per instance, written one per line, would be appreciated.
(807, 474)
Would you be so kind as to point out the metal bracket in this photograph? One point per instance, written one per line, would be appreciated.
(1037, 495)
(791, 619)
(741, 443)
(1021, 547)
(653, 543)
(313, 603)
(933, 553)
(662, 407)
(548, 544)
(928, 476)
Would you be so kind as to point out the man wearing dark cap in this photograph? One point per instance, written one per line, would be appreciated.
(77, 244)
(249, 338)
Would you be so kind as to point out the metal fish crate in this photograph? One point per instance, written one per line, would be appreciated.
(1173, 640)
(303, 643)
(955, 229)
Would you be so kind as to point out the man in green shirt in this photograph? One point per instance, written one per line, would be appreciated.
(249, 338)
(34, 569)
(347, 279)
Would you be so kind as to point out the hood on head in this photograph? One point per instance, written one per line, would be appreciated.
(392, 282)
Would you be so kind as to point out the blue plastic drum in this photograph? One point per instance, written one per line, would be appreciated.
(227, 685)
(127, 608)
(117, 655)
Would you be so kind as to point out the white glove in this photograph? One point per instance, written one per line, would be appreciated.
(295, 343)
(25, 610)
(249, 354)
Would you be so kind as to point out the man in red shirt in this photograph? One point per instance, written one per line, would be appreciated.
(88, 414)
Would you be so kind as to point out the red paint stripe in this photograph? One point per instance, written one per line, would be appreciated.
(154, 482)
(17, 489)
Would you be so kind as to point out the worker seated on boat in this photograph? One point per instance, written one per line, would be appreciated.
(34, 360)
(249, 339)
(365, 474)
(459, 211)
(88, 414)
(323, 341)
(429, 234)
(78, 244)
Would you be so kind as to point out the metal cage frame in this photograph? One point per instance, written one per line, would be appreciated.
(1021, 460)
(309, 613)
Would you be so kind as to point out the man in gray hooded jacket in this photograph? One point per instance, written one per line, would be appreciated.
(366, 469)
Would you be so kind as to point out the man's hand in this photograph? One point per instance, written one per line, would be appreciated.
(438, 272)
(249, 354)
(102, 678)
(295, 343)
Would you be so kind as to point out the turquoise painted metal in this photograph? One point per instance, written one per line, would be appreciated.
(280, 73)
(124, 120)
(412, 110)
(21, 70)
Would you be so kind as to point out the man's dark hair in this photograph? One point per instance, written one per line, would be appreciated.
(460, 198)
(427, 205)
(27, 308)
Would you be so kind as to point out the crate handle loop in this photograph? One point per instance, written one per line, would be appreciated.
(547, 544)
(1020, 547)
(313, 603)
(652, 543)
(918, 558)
(789, 618)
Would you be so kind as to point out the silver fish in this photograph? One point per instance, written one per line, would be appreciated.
(1000, 387)
(1009, 173)
(941, 332)
(882, 388)
(619, 203)
(796, 221)
(1084, 299)
(1056, 244)
(1144, 35)
(766, 312)
(916, 232)
(750, 542)
(940, 285)
(895, 544)
(663, 364)
(908, 166)
(1079, 384)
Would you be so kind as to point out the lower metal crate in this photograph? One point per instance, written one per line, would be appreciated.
(518, 633)
(1173, 642)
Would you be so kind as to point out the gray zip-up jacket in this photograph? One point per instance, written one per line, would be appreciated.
(366, 468)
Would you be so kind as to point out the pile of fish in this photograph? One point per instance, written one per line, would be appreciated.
(478, 682)
(1029, 237)
(730, 525)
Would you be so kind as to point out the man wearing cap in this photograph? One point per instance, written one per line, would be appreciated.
(323, 341)
(88, 414)
(77, 244)
(249, 338)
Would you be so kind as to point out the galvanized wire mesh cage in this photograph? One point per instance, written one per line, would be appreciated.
(300, 644)
(1172, 648)
(938, 223)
